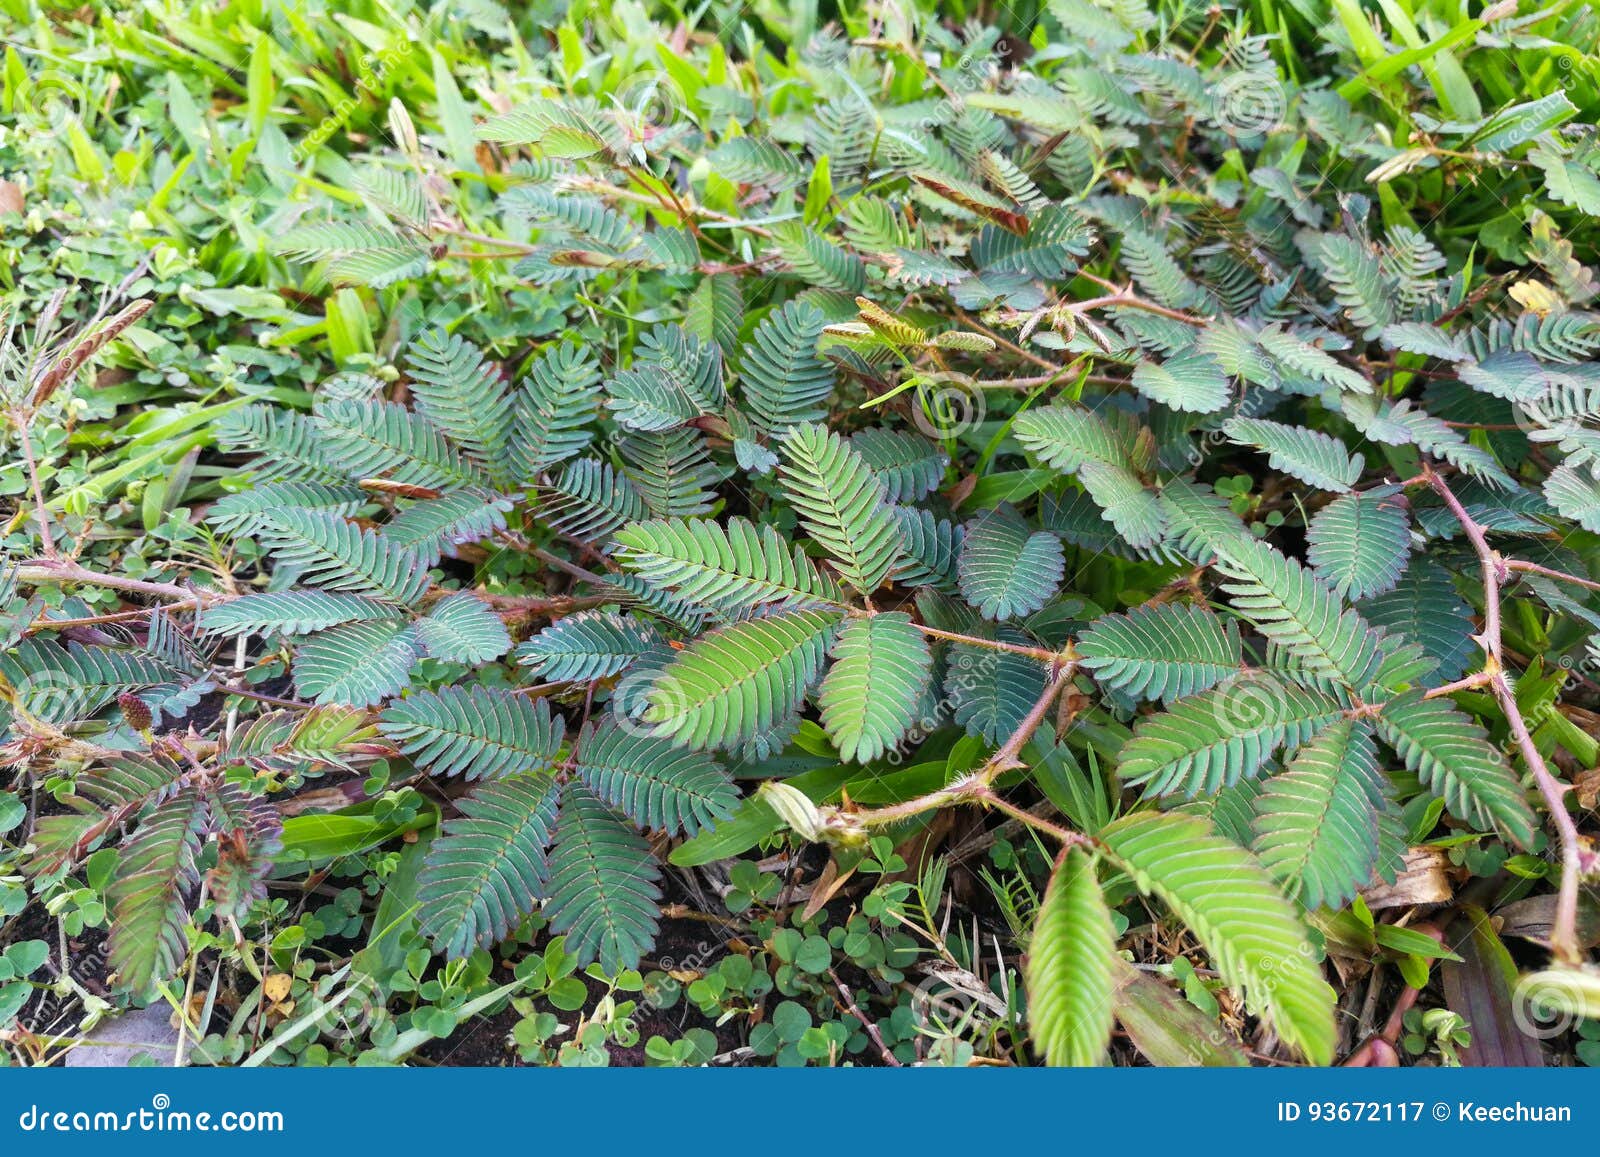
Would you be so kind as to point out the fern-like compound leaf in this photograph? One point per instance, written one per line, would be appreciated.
(1576, 494)
(555, 408)
(1168, 651)
(368, 439)
(436, 527)
(870, 696)
(738, 682)
(1070, 966)
(1316, 824)
(1291, 607)
(930, 548)
(1359, 543)
(1212, 740)
(651, 781)
(991, 692)
(1067, 436)
(291, 612)
(728, 568)
(1424, 608)
(675, 377)
(1311, 456)
(908, 465)
(602, 891)
(462, 628)
(1252, 934)
(1006, 571)
(587, 646)
(1449, 753)
(357, 664)
(1135, 512)
(782, 381)
(487, 868)
(462, 393)
(841, 504)
(157, 876)
(591, 500)
(340, 556)
(473, 732)
(241, 514)
(1191, 382)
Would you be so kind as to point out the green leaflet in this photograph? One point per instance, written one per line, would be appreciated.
(587, 646)
(1214, 739)
(156, 877)
(357, 663)
(725, 568)
(288, 444)
(1316, 825)
(241, 513)
(672, 471)
(1068, 436)
(370, 439)
(1291, 607)
(434, 528)
(1124, 502)
(1070, 972)
(1311, 456)
(1576, 494)
(1165, 652)
(841, 504)
(1250, 931)
(652, 782)
(555, 406)
(1360, 543)
(290, 612)
(1358, 282)
(871, 694)
(462, 628)
(602, 884)
(339, 556)
(675, 377)
(929, 549)
(486, 869)
(461, 392)
(1005, 570)
(1192, 382)
(738, 682)
(1448, 752)
(1425, 608)
(781, 379)
(992, 691)
(65, 684)
(908, 465)
(473, 732)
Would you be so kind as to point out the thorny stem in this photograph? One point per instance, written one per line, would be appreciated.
(978, 787)
(1479, 679)
(54, 571)
(990, 798)
(1129, 300)
(1039, 653)
(1548, 572)
(1564, 943)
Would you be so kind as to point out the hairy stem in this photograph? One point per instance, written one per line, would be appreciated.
(977, 787)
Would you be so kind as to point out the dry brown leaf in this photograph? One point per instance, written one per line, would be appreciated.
(1421, 881)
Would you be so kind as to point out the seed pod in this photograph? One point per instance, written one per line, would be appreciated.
(70, 360)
